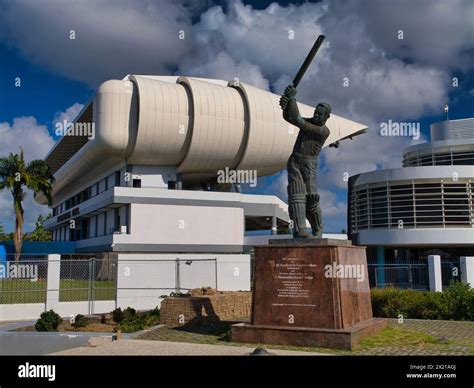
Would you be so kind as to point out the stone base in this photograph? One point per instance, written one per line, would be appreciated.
(309, 337)
(310, 242)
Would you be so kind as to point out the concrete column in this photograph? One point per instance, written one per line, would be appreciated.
(434, 272)
(179, 182)
(467, 269)
(52, 293)
(274, 225)
(380, 273)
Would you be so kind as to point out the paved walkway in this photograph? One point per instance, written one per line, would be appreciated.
(454, 338)
(133, 347)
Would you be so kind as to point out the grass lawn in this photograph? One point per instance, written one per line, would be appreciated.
(70, 290)
(391, 340)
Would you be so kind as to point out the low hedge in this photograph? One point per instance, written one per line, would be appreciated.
(132, 321)
(454, 303)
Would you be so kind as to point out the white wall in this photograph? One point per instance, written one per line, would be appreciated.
(154, 176)
(136, 272)
(171, 224)
(20, 312)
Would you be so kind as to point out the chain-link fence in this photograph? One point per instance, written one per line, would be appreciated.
(88, 278)
(23, 279)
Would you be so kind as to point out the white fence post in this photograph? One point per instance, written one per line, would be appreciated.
(52, 293)
(434, 271)
(467, 269)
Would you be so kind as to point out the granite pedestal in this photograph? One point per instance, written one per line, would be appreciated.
(310, 293)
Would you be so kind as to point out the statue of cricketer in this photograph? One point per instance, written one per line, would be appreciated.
(303, 198)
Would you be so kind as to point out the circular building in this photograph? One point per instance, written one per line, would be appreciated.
(403, 215)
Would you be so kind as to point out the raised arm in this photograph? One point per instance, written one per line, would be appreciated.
(288, 103)
(292, 114)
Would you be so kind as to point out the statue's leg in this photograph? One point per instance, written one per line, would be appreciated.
(313, 213)
(313, 209)
(297, 208)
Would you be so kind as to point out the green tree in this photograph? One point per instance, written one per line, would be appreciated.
(39, 233)
(2, 232)
(15, 174)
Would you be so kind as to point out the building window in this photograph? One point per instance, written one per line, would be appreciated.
(137, 183)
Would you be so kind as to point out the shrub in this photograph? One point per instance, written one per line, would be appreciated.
(458, 301)
(80, 321)
(152, 317)
(48, 321)
(132, 325)
(117, 315)
(455, 303)
(132, 321)
(129, 313)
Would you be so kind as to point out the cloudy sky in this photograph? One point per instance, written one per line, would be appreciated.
(383, 60)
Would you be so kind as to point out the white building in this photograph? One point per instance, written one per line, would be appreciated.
(145, 184)
(147, 180)
(403, 215)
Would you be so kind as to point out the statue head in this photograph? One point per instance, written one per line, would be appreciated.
(321, 113)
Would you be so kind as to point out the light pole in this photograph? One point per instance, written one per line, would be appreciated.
(446, 110)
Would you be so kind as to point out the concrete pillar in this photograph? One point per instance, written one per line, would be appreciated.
(380, 271)
(467, 269)
(434, 272)
(52, 293)
(274, 225)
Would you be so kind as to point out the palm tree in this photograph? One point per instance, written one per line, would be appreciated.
(15, 173)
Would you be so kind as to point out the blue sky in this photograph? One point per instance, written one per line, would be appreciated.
(406, 80)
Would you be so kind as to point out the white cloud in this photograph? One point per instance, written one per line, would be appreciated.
(225, 67)
(69, 114)
(401, 80)
(36, 142)
(112, 37)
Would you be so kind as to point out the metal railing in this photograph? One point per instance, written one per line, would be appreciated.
(414, 276)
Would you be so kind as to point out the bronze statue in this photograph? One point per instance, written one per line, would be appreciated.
(303, 198)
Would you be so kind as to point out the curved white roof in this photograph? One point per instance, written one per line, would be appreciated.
(198, 125)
